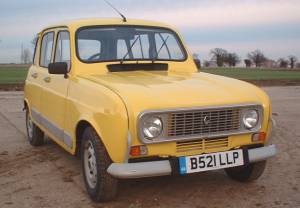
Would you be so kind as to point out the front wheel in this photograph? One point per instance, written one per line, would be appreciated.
(100, 185)
(247, 173)
(34, 134)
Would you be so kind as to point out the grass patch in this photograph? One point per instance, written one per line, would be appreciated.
(255, 74)
(16, 74)
(12, 74)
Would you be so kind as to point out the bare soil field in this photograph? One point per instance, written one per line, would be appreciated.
(49, 177)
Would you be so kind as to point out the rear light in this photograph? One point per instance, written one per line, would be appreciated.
(261, 136)
(138, 150)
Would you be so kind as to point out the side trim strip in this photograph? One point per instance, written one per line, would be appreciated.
(53, 128)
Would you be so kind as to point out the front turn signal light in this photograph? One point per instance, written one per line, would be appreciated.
(261, 136)
(138, 150)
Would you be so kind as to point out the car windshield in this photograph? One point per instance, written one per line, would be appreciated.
(123, 43)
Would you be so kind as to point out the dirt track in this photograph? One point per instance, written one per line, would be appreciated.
(49, 177)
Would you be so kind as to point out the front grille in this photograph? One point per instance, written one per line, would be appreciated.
(186, 124)
(202, 144)
(203, 123)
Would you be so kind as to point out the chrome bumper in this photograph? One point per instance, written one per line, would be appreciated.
(140, 169)
(261, 153)
(161, 168)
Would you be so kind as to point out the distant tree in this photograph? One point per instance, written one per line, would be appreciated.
(257, 57)
(247, 62)
(197, 60)
(298, 65)
(219, 56)
(33, 41)
(206, 63)
(292, 61)
(25, 56)
(283, 63)
(195, 56)
(232, 59)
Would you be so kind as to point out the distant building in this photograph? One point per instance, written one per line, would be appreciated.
(212, 64)
(270, 64)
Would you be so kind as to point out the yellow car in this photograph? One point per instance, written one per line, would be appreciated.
(127, 96)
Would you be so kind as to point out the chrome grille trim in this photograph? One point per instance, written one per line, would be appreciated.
(188, 123)
(184, 124)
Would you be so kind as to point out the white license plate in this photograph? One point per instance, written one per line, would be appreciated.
(213, 161)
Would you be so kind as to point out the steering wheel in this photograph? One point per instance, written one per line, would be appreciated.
(93, 57)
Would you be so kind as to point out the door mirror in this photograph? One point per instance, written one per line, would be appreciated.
(198, 63)
(58, 68)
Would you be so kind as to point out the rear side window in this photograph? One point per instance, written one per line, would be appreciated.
(46, 49)
(63, 50)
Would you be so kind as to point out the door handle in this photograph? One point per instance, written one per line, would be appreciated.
(34, 75)
(47, 79)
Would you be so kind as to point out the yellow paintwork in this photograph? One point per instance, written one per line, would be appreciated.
(111, 102)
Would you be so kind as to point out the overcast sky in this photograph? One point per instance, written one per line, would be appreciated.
(237, 25)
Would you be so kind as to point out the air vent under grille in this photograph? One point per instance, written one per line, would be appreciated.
(202, 144)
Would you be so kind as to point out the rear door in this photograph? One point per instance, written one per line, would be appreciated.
(54, 93)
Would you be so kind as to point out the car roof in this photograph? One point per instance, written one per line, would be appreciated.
(75, 24)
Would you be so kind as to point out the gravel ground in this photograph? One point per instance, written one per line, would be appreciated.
(49, 177)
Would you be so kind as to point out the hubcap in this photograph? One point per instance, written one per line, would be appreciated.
(29, 127)
(90, 166)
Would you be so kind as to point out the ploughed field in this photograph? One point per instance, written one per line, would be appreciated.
(47, 176)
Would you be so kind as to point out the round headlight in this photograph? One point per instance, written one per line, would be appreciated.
(250, 119)
(152, 127)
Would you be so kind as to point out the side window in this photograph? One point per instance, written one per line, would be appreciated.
(46, 49)
(63, 50)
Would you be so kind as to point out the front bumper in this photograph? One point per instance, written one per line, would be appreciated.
(165, 167)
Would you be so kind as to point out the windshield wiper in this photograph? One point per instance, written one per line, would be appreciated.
(130, 49)
(162, 45)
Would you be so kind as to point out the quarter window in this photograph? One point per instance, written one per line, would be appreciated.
(46, 49)
(35, 42)
(62, 52)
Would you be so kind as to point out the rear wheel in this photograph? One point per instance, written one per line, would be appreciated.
(34, 134)
(247, 173)
(100, 185)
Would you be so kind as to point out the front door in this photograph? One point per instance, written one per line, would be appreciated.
(54, 92)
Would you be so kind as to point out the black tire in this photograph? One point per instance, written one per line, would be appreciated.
(105, 187)
(247, 173)
(34, 134)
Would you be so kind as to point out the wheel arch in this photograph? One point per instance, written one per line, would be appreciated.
(25, 104)
(115, 147)
(80, 127)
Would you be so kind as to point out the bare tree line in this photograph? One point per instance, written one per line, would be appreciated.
(221, 57)
(25, 55)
